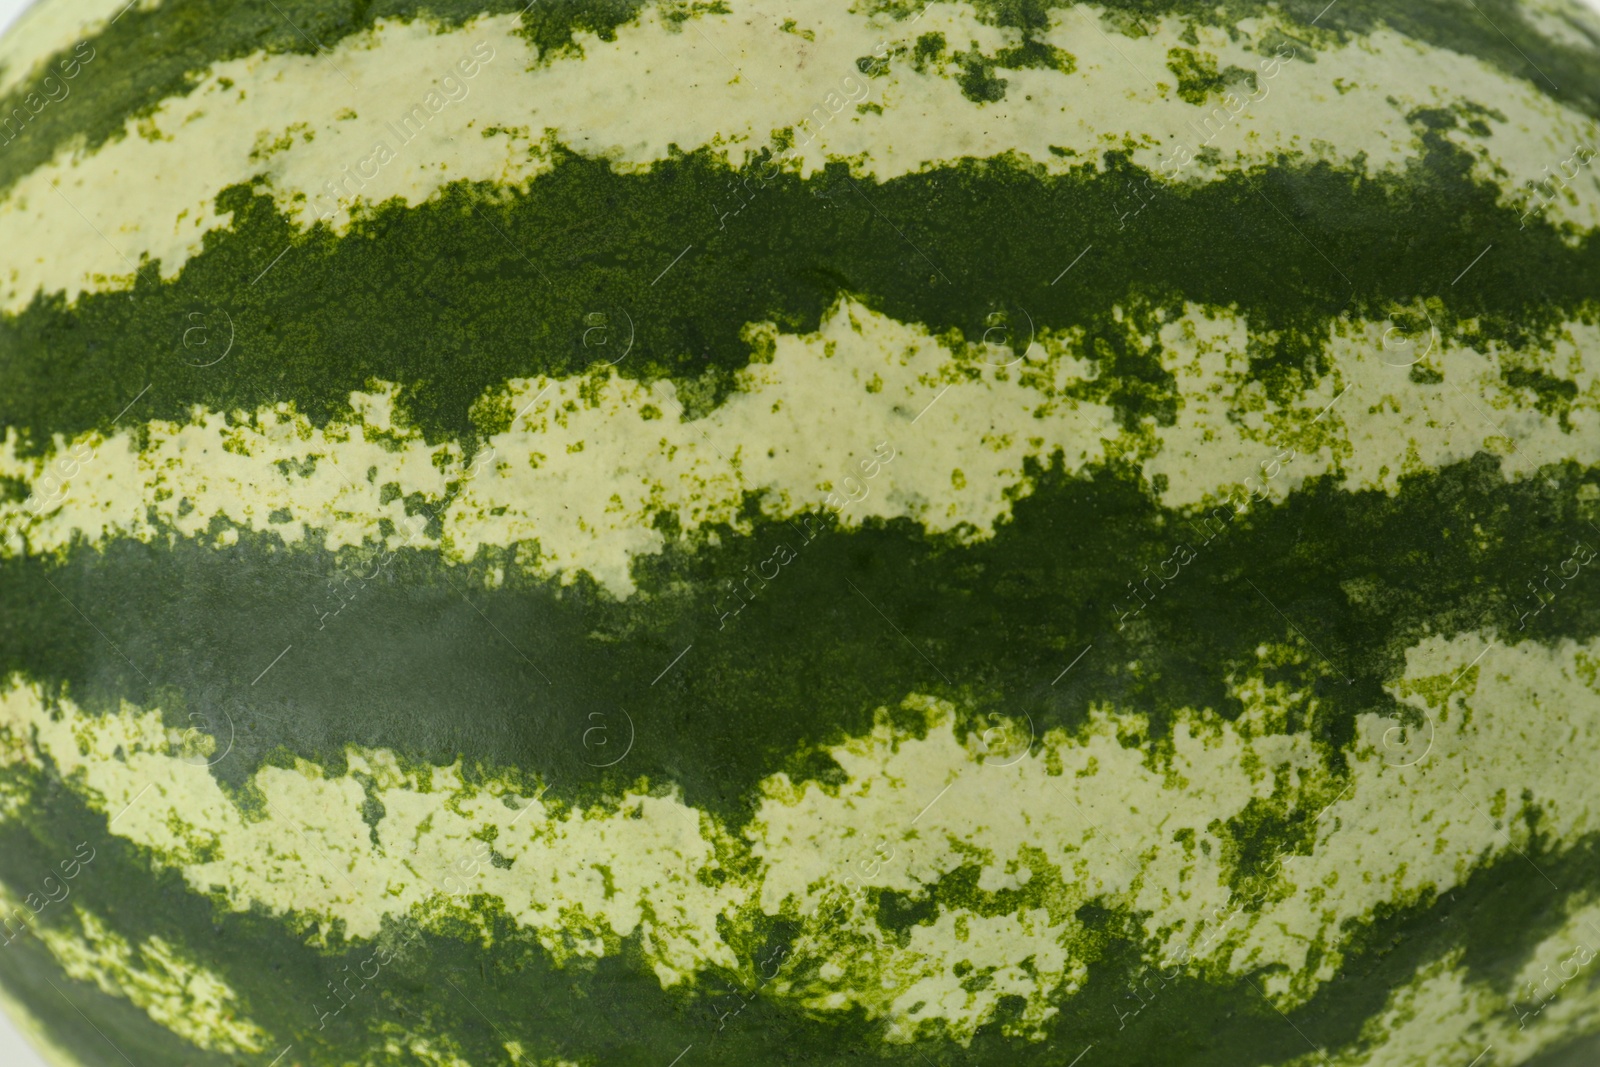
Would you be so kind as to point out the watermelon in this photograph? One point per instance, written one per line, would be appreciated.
(682, 533)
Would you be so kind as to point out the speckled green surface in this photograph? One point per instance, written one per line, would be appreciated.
(263, 828)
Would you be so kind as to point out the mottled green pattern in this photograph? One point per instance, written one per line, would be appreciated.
(455, 296)
(1322, 593)
(1365, 575)
(609, 1012)
(149, 55)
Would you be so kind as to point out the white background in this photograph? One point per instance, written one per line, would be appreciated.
(14, 1050)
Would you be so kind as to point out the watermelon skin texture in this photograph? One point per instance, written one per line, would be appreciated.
(666, 534)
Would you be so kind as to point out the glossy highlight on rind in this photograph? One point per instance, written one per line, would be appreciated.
(665, 533)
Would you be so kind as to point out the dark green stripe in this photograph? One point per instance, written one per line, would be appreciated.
(613, 1010)
(453, 297)
(412, 666)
